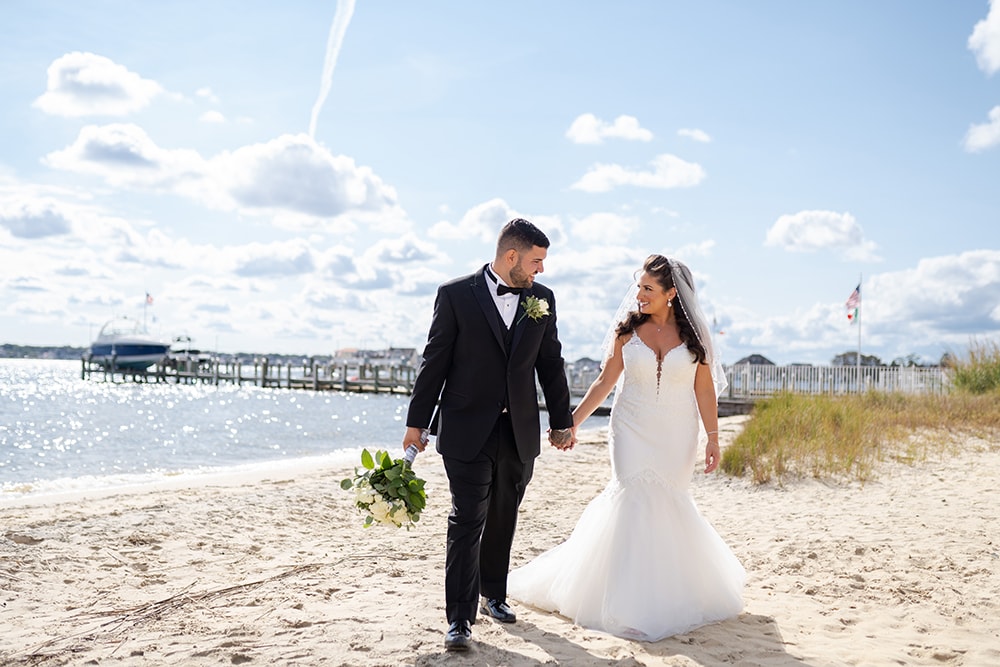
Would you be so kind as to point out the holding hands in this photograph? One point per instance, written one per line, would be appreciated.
(563, 438)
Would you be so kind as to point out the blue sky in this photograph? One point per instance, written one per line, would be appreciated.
(783, 149)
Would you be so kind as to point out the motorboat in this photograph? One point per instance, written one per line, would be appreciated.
(124, 343)
(184, 357)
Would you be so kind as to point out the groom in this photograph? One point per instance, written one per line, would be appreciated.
(490, 334)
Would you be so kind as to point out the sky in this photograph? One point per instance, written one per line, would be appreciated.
(299, 177)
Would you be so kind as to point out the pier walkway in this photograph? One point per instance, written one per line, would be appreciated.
(747, 382)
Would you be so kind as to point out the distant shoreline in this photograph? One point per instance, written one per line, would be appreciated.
(73, 353)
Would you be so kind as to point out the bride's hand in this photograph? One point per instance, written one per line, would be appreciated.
(712, 456)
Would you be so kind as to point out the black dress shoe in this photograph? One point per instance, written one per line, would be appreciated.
(459, 636)
(499, 610)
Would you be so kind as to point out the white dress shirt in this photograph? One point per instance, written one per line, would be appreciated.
(506, 304)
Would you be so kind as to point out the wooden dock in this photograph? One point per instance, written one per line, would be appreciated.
(348, 376)
(260, 372)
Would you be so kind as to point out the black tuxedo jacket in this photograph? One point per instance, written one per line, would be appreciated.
(466, 367)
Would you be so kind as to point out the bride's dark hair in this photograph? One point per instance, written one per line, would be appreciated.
(658, 267)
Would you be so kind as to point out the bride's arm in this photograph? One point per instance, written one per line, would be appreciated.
(601, 388)
(708, 406)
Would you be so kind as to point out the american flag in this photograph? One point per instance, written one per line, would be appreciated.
(853, 303)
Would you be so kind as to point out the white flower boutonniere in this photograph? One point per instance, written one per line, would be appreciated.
(534, 308)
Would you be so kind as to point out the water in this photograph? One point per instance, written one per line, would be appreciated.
(59, 432)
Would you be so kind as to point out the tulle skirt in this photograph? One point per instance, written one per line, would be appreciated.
(642, 563)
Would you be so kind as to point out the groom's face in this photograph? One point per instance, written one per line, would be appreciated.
(526, 266)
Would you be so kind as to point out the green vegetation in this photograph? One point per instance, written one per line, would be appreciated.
(979, 372)
(847, 436)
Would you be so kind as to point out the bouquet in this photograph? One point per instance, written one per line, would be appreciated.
(387, 491)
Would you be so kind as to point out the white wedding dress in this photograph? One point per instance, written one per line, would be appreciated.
(642, 562)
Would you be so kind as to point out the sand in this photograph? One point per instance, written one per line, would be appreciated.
(275, 568)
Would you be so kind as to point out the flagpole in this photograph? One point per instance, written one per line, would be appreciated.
(859, 332)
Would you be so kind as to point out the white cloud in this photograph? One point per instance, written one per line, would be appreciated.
(604, 228)
(212, 117)
(289, 258)
(293, 180)
(589, 129)
(482, 221)
(86, 84)
(962, 301)
(34, 218)
(700, 249)
(123, 154)
(985, 135)
(695, 135)
(985, 40)
(809, 231)
(668, 171)
(399, 251)
(940, 303)
(207, 94)
(293, 173)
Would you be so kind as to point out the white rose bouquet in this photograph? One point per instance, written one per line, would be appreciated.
(387, 491)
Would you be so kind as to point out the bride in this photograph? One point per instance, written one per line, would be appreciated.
(642, 562)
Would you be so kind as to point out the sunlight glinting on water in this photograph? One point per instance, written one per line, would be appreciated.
(56, 427)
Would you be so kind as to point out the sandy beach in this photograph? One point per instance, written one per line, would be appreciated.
(275, 568)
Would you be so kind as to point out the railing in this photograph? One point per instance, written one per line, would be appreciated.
(750, 381)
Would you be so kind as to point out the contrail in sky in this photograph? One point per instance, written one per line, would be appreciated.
(345, 9)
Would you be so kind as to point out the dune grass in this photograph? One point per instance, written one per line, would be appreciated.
(979, 371)
(846, 437)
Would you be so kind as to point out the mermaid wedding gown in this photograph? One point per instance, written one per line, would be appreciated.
(642, 562)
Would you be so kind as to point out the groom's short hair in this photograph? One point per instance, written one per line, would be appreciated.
(520, 235)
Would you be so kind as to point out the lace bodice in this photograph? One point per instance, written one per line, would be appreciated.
(655, 416)
(648, 379)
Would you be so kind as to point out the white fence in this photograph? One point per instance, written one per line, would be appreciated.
(749, 381)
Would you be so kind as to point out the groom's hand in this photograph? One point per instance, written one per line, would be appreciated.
(412, 437)
(562, 438)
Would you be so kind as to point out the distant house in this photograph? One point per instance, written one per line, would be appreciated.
(584, 364)
(756, 360)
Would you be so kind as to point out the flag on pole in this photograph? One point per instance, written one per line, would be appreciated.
(149, 299)
(853, 303)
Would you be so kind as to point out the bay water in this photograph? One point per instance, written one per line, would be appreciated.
(59, 432)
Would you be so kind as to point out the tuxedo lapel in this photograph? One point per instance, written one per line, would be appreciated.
(481, 290)
(519, 321)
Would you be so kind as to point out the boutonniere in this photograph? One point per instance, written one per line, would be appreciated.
(534, 308)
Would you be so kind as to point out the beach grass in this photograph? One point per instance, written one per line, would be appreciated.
(978, 372)
(847, 436)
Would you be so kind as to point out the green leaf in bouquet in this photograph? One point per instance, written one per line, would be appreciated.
(366, 459)
(392, 474)
(346, 484)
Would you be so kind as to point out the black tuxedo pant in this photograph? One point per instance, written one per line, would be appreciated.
(485, 495)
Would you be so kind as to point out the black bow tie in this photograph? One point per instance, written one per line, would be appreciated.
(503, 289)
